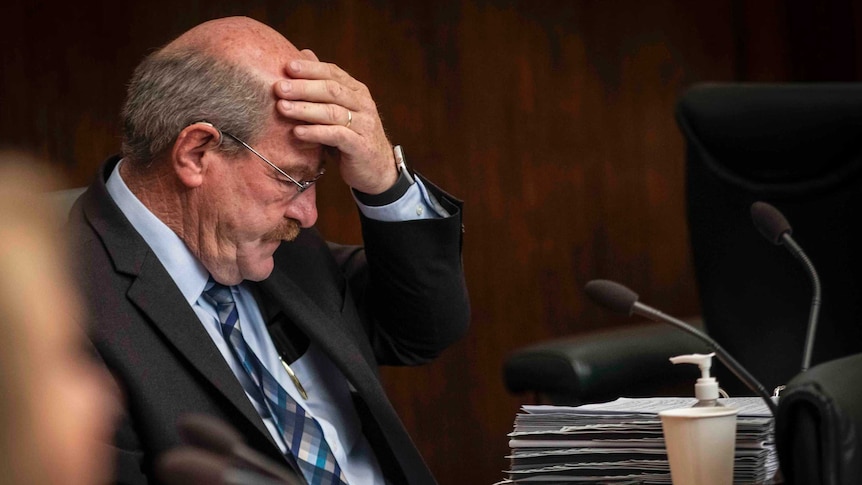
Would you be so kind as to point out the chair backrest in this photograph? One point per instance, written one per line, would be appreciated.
(818, 428)
(798, 147)
(62, 200)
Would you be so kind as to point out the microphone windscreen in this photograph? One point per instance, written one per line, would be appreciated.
(189, 466)
(612, 295)
(208, 433)
(769, 221)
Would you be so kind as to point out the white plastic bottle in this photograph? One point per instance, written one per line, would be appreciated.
(706, 387)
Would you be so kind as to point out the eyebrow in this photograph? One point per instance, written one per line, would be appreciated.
(304, 172)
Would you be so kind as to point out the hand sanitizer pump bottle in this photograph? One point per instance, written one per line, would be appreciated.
(706, 388)
(700, 440)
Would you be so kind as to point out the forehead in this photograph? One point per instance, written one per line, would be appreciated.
(255, 46)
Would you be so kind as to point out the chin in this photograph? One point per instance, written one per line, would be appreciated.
(259, 272)
(255, 263)
(258, 277)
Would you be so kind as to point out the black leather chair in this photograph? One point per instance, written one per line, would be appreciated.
(818, 427)
(602, 366)
(797, 146)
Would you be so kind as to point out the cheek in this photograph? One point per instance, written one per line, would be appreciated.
(259, 213)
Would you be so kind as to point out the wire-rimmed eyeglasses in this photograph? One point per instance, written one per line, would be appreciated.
(301, 185)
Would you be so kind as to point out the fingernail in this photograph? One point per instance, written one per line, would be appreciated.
(284, 86)
(300, 130)
(294, 65)
(286, 105)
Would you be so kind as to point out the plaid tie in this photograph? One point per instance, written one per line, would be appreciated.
(301, 432)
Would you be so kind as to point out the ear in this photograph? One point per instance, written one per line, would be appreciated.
(192, 145)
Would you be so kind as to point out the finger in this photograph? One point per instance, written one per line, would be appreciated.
(307, 69)
(309, 54)
(320, 91)
(318, 113)
(344, 139)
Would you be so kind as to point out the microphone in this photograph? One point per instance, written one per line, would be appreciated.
(213, 435)
(619, 299)
(190, 466)
(774, 227)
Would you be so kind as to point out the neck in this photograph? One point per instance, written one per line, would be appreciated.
(163, 195)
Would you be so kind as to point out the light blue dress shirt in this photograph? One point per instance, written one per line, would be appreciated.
(329, 400)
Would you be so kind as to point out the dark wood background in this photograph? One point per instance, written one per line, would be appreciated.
(553, 120)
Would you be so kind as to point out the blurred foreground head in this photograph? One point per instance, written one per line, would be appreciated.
(56, 406)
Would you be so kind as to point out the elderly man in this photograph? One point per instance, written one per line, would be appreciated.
(210, 290)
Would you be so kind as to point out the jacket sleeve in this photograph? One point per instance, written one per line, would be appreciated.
(408, 283)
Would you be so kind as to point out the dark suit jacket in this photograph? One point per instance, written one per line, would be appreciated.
(400, 300)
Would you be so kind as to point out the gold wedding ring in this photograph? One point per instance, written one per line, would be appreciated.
(349, 119)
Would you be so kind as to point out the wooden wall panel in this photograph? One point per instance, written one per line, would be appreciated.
(552, 119)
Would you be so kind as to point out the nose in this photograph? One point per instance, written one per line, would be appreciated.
(303, 207)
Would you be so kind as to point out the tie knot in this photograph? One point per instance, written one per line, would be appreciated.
(219, 293)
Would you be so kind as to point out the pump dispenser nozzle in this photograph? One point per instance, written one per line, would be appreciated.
(706, 388)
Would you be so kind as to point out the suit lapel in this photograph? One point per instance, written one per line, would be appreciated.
(330, 333)
(156, 295)
(324, 329)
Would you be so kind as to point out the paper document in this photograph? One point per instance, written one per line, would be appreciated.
(621, 442)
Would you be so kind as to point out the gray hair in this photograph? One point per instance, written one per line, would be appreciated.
(173, 89)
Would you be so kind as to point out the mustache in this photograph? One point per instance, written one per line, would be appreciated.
(287, 231)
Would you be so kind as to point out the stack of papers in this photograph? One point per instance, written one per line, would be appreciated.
(621, 442)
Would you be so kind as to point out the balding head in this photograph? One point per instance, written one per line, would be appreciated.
(220, 71)
(241, 41)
